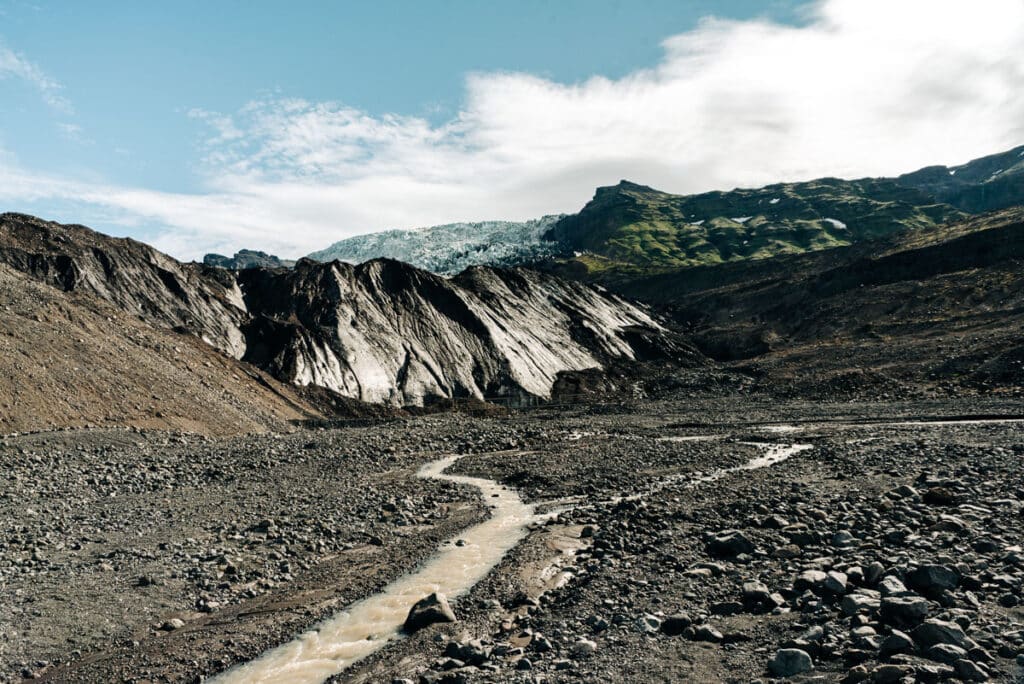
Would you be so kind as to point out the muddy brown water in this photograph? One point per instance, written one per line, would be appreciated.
(370, 624)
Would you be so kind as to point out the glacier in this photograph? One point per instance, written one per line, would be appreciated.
(450, 248)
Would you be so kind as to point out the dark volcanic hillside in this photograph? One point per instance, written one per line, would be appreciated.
(131, 275)
(246, 258)
(386, 332)
(944, 306)
(70, 359)
(992, 182)
(383, 332)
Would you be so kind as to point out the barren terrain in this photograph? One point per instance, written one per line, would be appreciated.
(135, 555)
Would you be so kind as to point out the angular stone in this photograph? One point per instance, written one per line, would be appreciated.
(729, 543)
(897, 642)
(904, 611)
(939, 496)
(970, 672)
(855, 603)
(809, 579)
(707, 633)
(873, 572)
(933, 579)
(933, 632)
(674, 625)
(945, 653)
(429, 610)
(891, 674)
(835, 582)
(891, 586)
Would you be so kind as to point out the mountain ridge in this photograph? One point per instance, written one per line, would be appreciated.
(629, 229)
(383, 332)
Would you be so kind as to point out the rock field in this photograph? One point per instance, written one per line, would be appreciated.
(885, 552)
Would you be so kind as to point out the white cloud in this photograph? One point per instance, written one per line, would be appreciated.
(14, 65)
(863, 87)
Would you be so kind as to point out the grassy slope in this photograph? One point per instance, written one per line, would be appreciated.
(633, 229)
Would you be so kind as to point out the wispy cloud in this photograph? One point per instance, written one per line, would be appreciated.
(863, 87)
(74, 133)
(13, 65)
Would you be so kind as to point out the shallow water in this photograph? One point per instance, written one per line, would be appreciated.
(368, 625)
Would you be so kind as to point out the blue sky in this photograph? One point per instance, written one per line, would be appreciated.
(133, 70)
(217, 125)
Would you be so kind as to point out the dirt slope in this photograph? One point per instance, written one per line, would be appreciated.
(69, 359)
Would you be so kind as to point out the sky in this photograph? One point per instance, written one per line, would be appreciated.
(217, 125)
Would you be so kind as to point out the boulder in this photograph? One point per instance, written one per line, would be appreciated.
(932, 632)
(429, 610)
(933, 579)
(729, 544)
(897, 642)
(674, 625)
(904, 611)
(790, 661)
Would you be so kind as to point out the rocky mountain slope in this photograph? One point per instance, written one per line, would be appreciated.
(944, 306)
(992, 182)
(386, 332)
(70, 359)
(629, 229)
(131, 275)
(383, 332)
(450, 248)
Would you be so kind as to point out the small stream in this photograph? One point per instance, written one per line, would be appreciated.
(370, 624)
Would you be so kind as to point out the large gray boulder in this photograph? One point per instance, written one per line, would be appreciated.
(933, 632)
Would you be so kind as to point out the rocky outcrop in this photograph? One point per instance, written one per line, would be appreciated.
(380, 332)
(985, 184)
(70, 359)
(246, 258)
(132, 275)
(386, 332)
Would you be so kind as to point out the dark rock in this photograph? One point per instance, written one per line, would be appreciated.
(940, 496)
(891, 674)
(896, 642)
(729, 543)
(429, 610)
(674, 625)
(970, 672)
(790, 661)
(945, 653)
(933, 632)
(707, 633)
(904, 611)
(933, 579)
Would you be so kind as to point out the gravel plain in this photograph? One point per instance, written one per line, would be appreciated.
(885, 552)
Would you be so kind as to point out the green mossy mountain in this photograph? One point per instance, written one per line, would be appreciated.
(629, 227)
(630, 230)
